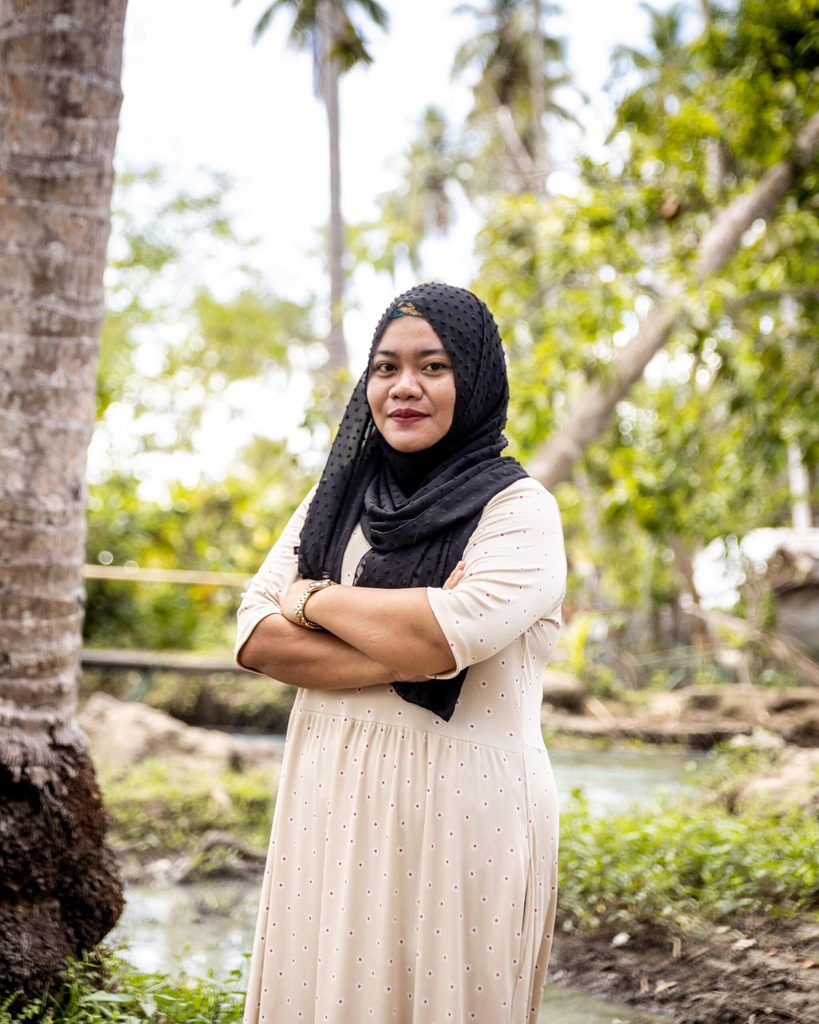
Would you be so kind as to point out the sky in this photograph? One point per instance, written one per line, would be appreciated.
(198, 92)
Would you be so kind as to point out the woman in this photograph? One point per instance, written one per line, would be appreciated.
(411, 874)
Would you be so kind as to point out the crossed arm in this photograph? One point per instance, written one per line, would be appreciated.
(373, 636)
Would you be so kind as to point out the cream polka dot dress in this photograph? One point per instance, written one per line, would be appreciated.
(412, 868)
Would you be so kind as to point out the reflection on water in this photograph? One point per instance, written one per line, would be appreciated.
(192, 928)
(565, 1006)
(614, 779)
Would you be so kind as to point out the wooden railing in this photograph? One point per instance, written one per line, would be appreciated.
(158, 661)
(149, 662)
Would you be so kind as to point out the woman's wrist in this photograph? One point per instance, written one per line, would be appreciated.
(318, 601)
(300, 609)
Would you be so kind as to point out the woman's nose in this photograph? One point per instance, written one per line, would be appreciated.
(405, 384)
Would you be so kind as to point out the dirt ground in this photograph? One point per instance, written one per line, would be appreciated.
(762, 972)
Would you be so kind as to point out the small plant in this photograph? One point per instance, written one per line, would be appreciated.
(100, 989)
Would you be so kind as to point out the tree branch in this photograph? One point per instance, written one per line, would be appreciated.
(553, 461)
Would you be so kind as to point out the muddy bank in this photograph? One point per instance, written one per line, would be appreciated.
(759, 972)
(698, 717)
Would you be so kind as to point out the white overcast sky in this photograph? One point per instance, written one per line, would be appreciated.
(199, 93)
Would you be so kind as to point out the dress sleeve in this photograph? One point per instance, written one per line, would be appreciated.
(515, 574)
(280, 569)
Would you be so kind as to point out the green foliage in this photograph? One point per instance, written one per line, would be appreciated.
(187, 317)
(348, 45)
(173, 353)
(150, 259)
(681, 866)
(433, 164)
(697, 451)
(165, 805)
(499, 60)
(684, 866)
(96, 990)
(227, 526)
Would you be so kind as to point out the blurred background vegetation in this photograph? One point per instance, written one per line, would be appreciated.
(719, 438)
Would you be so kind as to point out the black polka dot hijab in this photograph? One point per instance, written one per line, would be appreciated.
(418, 509)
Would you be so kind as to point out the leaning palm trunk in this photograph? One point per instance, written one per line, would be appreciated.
(553, 461)
(59, 103)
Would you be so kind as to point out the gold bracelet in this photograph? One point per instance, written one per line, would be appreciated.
(302, 601)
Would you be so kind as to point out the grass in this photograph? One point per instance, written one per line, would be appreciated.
(97, 992)
(165, 805)
(688, 862)
(685, 866)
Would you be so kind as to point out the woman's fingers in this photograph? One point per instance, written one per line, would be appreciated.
(455, 576)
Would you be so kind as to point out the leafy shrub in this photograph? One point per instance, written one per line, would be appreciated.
(684, 865)
(94, 992)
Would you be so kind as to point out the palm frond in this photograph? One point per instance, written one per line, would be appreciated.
(375, 12)
(263, 23)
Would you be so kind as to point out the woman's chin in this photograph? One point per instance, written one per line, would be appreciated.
(407, 444)
(408, 439)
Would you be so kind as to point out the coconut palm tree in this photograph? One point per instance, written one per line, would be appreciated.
(519, 70)
(337, 44)
(432, 165)
(667, 77)
(664, 66)
(59, 104)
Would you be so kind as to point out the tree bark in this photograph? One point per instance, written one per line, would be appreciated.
(700, 632)
(60, 94)
(525, 168)
(553, 461)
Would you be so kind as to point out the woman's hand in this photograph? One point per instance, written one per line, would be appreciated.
(455, 577)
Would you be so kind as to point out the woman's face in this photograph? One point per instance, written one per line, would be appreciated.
(411, 386)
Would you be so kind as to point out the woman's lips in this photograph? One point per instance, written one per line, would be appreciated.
(407, 416)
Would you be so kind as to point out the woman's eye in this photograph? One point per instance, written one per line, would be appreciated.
(383, 367)
(437, 367)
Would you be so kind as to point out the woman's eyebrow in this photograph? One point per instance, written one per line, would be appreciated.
(422, 354)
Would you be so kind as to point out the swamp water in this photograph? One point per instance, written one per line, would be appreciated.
(206, 928)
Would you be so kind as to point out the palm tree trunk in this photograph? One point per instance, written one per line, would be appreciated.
(553, 461)
(336, 342)
(60, 95)
(538, 87)
(328, 29)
